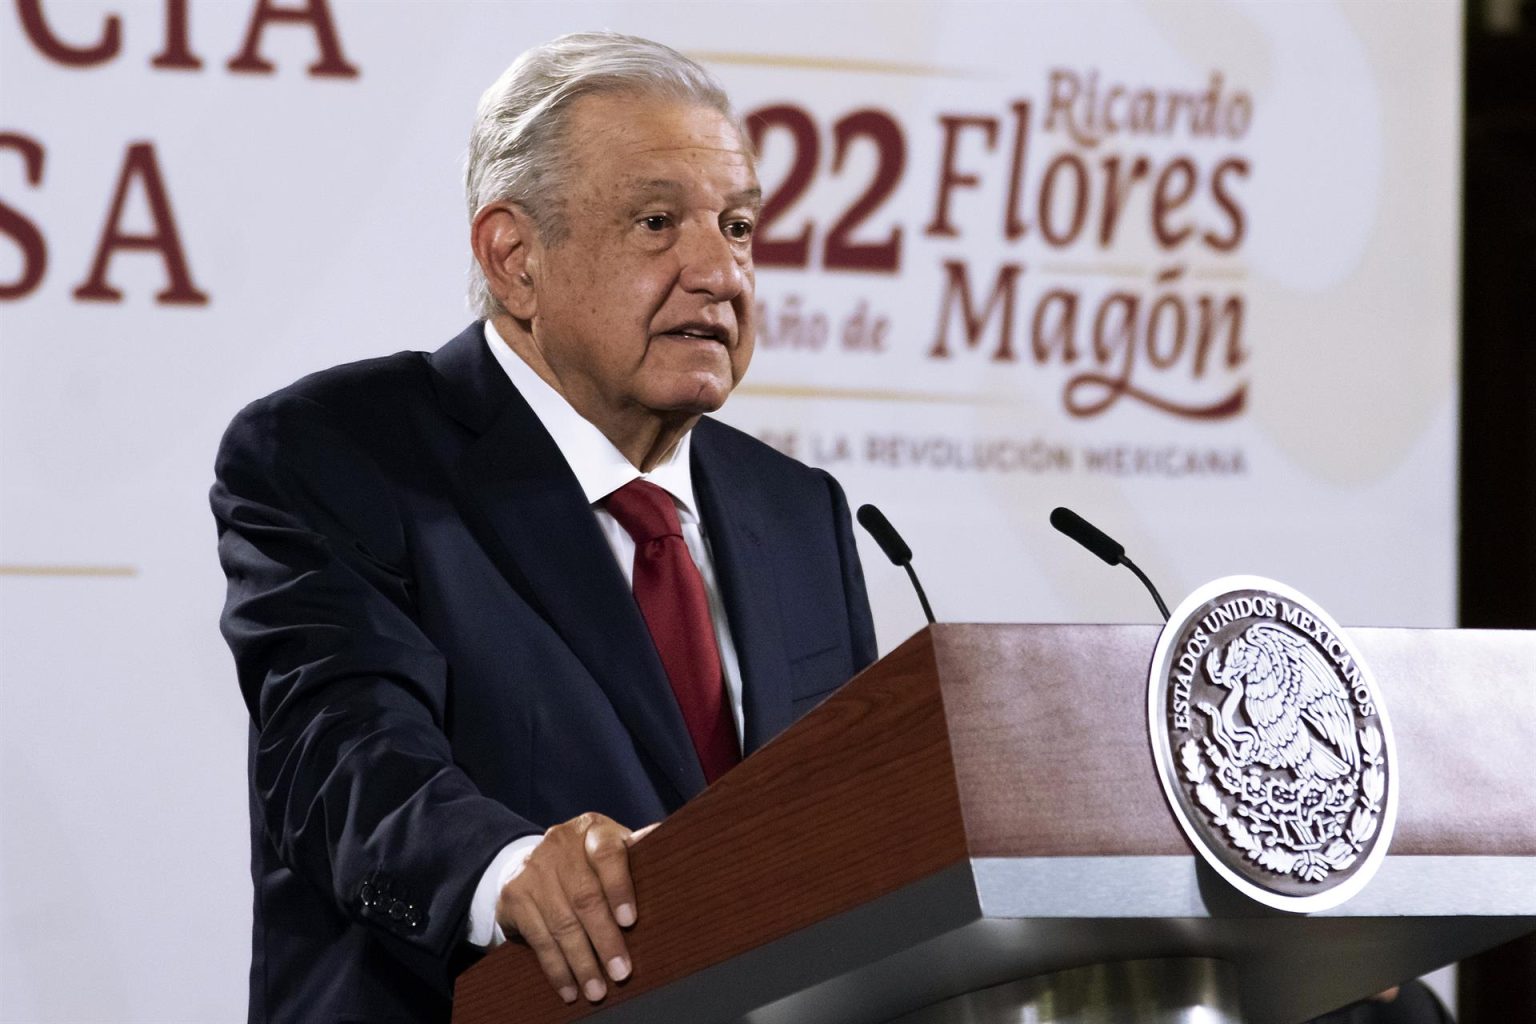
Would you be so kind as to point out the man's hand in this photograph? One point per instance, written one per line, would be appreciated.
(571, 901)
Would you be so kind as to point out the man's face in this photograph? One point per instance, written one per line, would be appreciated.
(645, 306)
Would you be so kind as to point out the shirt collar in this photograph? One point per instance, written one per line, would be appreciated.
(600, 467)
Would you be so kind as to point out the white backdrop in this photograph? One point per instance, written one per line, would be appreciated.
(1000, 205)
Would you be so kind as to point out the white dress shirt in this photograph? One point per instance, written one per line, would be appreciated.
(601, 469)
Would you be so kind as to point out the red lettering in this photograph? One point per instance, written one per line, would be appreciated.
(1115, 193)
(1167, 200)
(1211, 320)
(842, 253)
(1048, 191)
(959, 290)
(1111, 125)
(314, 12)
(55, 49)
(34, 251)
(1014, 226)
(140, 164)
(177, 55)
(1045, 336)
(1171, 307)
(1234, 212)
(949, 177)
(767, 249)
(1064, 92)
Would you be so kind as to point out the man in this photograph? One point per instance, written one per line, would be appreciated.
(476, 652)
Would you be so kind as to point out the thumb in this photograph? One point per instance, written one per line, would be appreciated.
(639, 834)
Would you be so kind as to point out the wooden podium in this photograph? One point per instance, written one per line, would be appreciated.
(981, 806)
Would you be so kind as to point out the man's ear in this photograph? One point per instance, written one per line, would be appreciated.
(504, 240)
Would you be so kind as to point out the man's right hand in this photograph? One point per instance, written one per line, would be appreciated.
(571, 902)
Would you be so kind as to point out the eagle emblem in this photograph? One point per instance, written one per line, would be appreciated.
(1272, 744)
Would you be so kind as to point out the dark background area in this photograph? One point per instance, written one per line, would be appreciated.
(1498, 408)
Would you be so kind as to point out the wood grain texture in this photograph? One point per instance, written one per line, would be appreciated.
(857, 800)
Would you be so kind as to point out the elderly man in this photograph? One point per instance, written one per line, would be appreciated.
(497, 606)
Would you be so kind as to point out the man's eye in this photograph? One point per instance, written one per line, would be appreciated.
(739, 229)
(655, 222)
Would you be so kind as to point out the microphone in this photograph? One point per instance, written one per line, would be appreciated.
(880, 528)
(1101, 544)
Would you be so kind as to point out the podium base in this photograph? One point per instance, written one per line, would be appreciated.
(1193, 990)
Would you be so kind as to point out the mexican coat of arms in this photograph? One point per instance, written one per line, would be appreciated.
(1272, 744)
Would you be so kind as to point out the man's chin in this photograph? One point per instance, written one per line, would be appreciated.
(694, 395)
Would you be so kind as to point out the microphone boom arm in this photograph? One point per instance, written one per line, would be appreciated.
(1143, 577)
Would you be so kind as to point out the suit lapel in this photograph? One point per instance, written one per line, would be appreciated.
(739, 544)
(534, 521)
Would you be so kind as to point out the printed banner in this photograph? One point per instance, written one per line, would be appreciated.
(1190, 269)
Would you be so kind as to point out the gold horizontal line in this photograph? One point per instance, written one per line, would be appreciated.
(868, 395)
(1132, 270)
(1095, 269)
(785, 60)
(69, 570)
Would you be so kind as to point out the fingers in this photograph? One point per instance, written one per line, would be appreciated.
(570, 903)
(570, 925)
(608, 854)
(530, 924)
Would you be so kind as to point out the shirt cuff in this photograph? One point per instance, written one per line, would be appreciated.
(482, 929)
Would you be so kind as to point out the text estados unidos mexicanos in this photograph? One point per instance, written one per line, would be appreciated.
(1195, 645)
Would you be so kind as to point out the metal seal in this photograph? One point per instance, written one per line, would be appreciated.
(1272, 744)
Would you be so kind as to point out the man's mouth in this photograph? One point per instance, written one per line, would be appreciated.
(701, 332)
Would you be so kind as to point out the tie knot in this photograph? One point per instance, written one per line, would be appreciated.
(645, 511)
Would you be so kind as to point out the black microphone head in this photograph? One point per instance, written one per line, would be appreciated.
(880, 528)
(1088, 535)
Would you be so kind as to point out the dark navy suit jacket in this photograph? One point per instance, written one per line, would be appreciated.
(440, 654)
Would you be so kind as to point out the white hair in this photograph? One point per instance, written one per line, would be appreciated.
(518, 149)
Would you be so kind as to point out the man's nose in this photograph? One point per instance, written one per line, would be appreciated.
(711, 264)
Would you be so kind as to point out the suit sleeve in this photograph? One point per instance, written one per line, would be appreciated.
(351, 766)
(861, 623)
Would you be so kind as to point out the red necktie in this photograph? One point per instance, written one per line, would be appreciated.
(671, 596)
